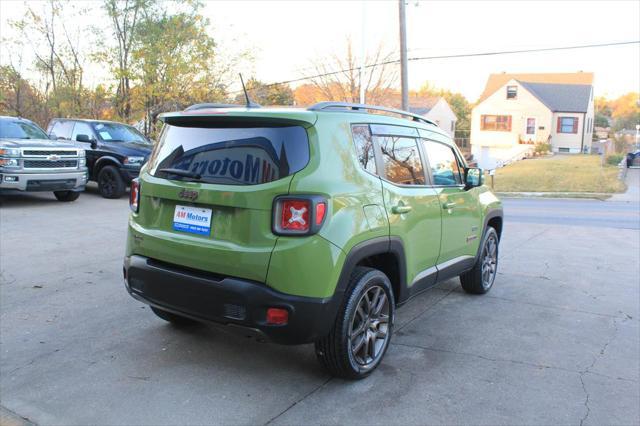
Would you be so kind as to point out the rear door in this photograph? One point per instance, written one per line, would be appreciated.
(461, 227)
(412, 207)
(208, 195)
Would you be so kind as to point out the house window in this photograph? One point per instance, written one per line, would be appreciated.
(567, 125)
(531, 126)
(512, 92)
(501, 123)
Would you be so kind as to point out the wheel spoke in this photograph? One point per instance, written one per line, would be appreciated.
(383, 319)
(382, 299)
(355, 348)
(358, 330)
(372, 346)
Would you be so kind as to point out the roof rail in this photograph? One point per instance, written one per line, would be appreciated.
(321, 106)
(211, 106)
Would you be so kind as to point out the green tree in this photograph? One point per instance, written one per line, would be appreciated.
(175, 64)
(125, 15)
(458, 103)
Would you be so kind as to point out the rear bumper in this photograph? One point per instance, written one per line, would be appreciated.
(31, 182)
(225, 300)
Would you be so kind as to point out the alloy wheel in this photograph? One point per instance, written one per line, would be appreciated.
(369, 330)
(489, 261)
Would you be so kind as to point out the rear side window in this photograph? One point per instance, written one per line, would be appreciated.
(444, 164)
(232, 156)
(364, 148)
(401, 159)
(62, 129)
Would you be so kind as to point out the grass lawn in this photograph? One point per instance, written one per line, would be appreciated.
(559, 173)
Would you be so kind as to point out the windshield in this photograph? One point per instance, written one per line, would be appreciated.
(113, 132)
(11, 129)
(232, 156)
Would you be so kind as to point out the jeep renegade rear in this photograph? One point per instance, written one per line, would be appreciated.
(306, 225)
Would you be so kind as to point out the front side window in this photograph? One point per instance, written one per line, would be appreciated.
(567, 124)
(231, 156)
(501, 123)
(114, 132)
(11, 129)
(444, 164)
(364, 148)
(512, 92)
(401, 158)
(81, 129)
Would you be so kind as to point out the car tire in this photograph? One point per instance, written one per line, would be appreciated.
(66, 196)
(173, 318)
(479, 280)
(363, 328)
(110, 183)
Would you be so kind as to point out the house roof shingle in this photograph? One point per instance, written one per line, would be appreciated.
(561, 97)
(496, 81)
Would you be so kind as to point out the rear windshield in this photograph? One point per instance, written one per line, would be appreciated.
(232, 156)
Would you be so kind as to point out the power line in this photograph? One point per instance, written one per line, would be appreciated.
(461, 55)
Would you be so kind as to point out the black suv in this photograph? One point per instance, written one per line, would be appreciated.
(115, 151)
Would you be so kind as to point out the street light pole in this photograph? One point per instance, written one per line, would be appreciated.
(404, 78)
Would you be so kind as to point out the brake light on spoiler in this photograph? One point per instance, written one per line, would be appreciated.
(298, 214)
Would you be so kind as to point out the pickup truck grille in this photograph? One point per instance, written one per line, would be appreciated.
(28, 152)
(46, 164)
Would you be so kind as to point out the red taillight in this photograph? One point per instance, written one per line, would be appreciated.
(134, 195)
(295, 215)
(321, 209)
(277, 316)
(299, 215)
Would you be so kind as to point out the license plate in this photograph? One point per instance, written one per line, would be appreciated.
(194, 220)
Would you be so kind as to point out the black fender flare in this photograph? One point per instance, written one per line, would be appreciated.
(368, 248)
(105, 160)
(493, 213)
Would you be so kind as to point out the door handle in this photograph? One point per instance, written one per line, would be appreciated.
(400, 209)
(448, 206)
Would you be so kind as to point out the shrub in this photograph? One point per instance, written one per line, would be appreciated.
(614, 159)
(542, 148)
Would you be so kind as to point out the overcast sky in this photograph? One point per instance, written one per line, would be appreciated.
(287, 35)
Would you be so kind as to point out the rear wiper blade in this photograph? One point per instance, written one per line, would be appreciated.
(181, 172)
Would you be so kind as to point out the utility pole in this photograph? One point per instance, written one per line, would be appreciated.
(362, 53)
(404, 78)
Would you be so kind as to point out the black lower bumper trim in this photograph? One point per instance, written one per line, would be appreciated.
(226, 300)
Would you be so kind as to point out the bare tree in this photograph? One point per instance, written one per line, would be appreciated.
(338, 76)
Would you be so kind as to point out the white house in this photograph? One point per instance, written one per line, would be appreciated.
(436, 109)
(517, 111)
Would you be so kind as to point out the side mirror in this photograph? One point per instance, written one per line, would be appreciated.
(83, 138)
(473, 177)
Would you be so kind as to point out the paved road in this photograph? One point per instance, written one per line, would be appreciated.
(556, 340)
(607, 214)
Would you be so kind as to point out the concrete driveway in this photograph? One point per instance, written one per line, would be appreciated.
(556, 340)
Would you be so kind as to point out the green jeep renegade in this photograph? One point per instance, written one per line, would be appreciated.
(308, 225)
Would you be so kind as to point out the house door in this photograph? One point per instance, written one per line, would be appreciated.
(530, 130)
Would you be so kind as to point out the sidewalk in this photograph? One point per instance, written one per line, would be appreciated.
(632, 195)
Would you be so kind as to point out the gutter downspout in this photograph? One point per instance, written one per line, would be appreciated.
(584, 123)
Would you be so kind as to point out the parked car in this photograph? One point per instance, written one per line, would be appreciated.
(115, 151)
(306, 225)
(30, 161)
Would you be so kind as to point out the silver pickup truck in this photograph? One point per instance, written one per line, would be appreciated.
(30, 161)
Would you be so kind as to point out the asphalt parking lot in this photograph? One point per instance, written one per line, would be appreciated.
(555, 342)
